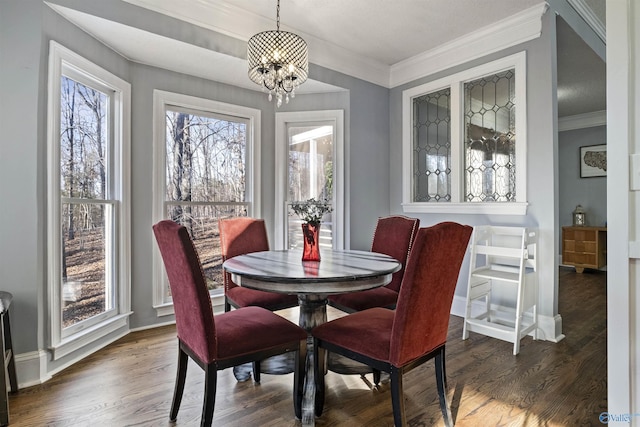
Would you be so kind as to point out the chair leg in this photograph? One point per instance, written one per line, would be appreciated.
(179, 388)
(441, 382)
(8, 347)
(298, 379)
(4, 397)
(256, 371)
(319, 354)
(516, 333)
(397, 397)
(376, 377)
(467, 312)
(444, 370)
(227, 306)
(210, 385)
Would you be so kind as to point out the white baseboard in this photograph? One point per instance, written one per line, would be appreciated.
(35, 367)
(31, 368)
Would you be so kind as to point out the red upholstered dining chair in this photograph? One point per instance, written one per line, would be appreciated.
(225, 340)
(396, 341)
(239, 236)
(393, 236)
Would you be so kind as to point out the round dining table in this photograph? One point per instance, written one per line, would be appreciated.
(337, 272)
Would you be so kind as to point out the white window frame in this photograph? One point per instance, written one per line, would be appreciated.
(63, 61)
(283, 120)
(161, 101)
(456, 83)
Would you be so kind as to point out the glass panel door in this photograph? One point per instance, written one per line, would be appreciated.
(310, 175)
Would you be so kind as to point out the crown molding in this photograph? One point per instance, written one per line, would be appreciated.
(590, 18)
(581, 121)
(518, 28)
(240, 24)
(222, 18)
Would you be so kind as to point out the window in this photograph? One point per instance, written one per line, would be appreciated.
(205, 162)
(88, 218)
(309, 164)
(460, 150)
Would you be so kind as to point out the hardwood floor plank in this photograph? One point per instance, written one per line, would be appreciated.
(130, 383)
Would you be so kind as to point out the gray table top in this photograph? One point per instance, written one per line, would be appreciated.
(337, 272)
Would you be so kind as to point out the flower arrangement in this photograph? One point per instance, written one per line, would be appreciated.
(311, 211)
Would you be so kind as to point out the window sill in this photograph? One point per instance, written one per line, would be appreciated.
(89, 335)
(496, 208)
(166, 309)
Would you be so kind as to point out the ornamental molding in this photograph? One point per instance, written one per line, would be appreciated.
(238, 23)
(581, 121)
(518, 28)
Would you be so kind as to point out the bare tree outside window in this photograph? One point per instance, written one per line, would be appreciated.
(205, 179)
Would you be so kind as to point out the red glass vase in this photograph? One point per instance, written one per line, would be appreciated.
(311, 248)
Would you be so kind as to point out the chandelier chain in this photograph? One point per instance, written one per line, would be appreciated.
(278, 16)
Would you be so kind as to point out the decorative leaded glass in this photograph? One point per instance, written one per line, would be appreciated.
(490, 138)
(432, 147)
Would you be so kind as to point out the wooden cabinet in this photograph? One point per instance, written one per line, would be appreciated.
(584, 247)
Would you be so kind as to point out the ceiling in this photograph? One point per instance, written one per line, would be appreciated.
(388, 31)
(581, 75)
(378, 34)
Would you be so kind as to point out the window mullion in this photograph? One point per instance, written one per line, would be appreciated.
(457, 144)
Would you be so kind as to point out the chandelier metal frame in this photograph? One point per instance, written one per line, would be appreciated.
(278, 61)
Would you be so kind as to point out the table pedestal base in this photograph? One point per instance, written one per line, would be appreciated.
(313, 312)
(281, 364)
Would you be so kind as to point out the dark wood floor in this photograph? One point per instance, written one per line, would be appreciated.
(131, 381)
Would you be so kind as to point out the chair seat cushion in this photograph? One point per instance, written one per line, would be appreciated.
(251, 329)
(363, 300)
(245, 297)
(366, 332)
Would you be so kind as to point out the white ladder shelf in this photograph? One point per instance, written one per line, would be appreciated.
(505, 255)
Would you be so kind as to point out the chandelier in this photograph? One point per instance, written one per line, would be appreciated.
(278, 62)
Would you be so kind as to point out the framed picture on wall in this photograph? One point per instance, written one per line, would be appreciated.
(593, 161)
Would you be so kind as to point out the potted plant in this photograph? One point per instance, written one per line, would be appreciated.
(311, 212)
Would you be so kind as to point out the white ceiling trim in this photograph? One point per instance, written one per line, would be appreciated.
(590, 18)
(581, 121)
(519, 28)
(148, 48)
(241, 24)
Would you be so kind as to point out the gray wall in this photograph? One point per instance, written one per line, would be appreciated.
(591, 193)
(21, 168)
(26, 26)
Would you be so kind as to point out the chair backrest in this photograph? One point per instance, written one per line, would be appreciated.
(239, 236)
(424, 303)
(394, 236)
(191, 300)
